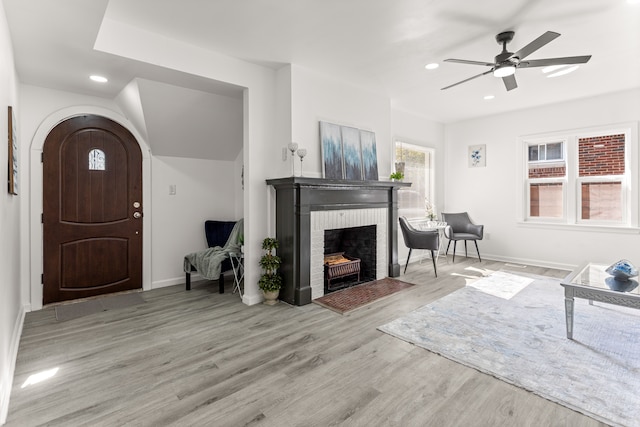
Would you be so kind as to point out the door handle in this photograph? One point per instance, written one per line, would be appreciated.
(137, 215)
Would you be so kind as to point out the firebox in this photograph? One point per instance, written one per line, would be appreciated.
(350, 257)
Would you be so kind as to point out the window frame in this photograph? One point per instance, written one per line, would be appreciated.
(572, 194)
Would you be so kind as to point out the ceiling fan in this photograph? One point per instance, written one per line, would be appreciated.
(506, 62)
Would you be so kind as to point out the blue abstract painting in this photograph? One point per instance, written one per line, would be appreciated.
(331, 142)
(351, 153)
(369, 155)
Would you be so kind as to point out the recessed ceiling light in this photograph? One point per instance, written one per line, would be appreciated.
(564, 71)
(98, 79)
(432, 66)
(488, 97)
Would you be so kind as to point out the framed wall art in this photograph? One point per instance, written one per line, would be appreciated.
(348, 153)
(477, 156)
(351, 153)
(13, 154)
(331, 144)
(369, 155)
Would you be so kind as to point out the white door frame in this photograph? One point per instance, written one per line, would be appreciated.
(35, 205)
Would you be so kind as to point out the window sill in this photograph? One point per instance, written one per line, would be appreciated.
(581, 227)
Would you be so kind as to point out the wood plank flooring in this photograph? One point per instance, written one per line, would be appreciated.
(199, 358)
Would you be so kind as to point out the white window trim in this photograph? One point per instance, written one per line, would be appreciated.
(571, 207)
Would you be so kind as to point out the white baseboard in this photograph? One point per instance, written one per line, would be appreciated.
(174, 281)
(5, 394)
(252, 299)
(532, 262)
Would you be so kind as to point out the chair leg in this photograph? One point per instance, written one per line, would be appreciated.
(221, 284)
(477, 250)
(447, 251)
(188, 281)
(465, 249)
(433, 258)
(407, 264)
(455, 243)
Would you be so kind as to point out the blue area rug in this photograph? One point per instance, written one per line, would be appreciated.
(521, 339)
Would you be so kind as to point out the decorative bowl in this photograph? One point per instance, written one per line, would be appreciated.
(621, 285)
(622, 270)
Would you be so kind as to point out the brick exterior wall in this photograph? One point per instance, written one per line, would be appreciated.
(601, 155)
(547, 172)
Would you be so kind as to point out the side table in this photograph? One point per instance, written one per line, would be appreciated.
(237, 264)
(590, 281)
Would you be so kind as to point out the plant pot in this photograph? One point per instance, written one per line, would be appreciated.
(271, 297)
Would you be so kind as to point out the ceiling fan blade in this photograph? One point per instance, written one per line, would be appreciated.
(510, 82)
(555, 61)
(464, 61)
(536, 44)
(466, 80)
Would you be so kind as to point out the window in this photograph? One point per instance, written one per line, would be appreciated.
(581, 177)
(547, 176)
(601, 174)
(418, 200)
(546, 152)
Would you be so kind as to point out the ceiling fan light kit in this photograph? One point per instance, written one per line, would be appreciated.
(505, 63)
(504, 71)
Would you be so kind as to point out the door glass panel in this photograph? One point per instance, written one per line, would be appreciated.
(97, 160)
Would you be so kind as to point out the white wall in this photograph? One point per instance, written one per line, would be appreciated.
(260, 149)
(489, 193)
(417, 130)
(11, 309)
(202, 192)
(316, 97)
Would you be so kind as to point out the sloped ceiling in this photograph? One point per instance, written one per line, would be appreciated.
(185, 122)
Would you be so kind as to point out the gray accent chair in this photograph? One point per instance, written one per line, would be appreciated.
(418, 239)
(460, 227)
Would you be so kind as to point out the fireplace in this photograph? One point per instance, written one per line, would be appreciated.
(307, 207)
(349, 257)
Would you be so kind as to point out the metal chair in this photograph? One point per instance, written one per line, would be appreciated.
(417, 239)
(460, 227)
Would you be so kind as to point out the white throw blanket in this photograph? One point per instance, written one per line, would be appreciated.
(208, 261)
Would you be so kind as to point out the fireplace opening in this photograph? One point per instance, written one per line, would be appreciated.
(349, 257)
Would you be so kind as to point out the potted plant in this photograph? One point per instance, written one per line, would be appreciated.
(397, 176)
(270, 281)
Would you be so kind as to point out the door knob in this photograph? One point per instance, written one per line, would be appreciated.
(137, 215)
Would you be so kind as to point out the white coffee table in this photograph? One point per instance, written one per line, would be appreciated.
(590, 281)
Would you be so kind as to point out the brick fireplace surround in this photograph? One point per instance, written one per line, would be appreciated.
(307, 206)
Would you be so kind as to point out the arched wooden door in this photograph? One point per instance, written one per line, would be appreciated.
(92, 210)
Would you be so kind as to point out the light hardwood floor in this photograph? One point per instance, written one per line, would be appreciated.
(203, 359)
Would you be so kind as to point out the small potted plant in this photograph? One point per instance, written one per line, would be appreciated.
(397, 176)
(270, 281)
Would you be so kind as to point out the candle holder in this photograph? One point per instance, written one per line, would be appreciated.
(301, 153)
(292, 146)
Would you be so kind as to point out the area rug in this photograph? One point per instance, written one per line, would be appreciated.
(349, 299)
(522, 340)
(75, 310)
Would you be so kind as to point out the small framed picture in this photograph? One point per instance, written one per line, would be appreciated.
(477, 156)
